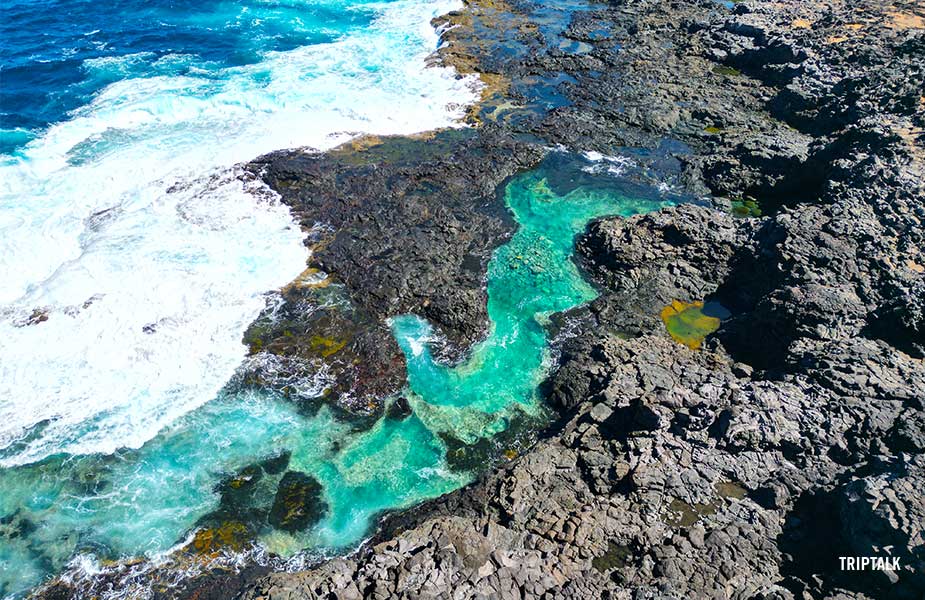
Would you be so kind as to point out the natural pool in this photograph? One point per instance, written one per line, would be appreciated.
(142, 501)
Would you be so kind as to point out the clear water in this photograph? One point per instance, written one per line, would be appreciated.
(143, 501)
(529, 278)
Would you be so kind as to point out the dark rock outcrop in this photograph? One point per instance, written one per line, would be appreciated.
(396, 225)
(298, 502)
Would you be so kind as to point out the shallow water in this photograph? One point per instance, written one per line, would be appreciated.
(529, 278)
(144, 501)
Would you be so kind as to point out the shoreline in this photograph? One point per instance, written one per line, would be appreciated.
(689, 472)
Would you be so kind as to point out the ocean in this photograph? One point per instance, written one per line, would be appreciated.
(133, 253)
(124, 223)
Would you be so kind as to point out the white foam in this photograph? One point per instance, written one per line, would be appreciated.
(132, 578)
(133, 203)
(121, 65)
(602, 163)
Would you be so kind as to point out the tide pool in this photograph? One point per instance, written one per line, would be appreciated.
(529, 278)
(144, 501)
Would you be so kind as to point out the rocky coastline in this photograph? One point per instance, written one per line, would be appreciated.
(739, 464)
(794, 435)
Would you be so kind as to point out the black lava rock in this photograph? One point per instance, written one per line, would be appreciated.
(298, 503)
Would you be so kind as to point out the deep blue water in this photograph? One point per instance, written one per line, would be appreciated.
(45, 46)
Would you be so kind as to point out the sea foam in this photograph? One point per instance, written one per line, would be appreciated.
(134, 253)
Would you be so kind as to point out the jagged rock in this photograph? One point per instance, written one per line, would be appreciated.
(886, 514)
(404, 225)
(732, 471)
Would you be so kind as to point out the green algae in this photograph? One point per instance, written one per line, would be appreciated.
(746, 207)
(230, 535)
(298, 502)
(325, 346)
(730, 489)
(727, 71)
(689, 323)
(682, 514)
(617, 556)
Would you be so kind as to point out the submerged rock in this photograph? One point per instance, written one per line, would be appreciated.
(461, 456)
(229, 535)
(244, 502)
(16, 525)
(298, 503)
(276, 464)
(399, 409)
(237, 488)
(519, 433)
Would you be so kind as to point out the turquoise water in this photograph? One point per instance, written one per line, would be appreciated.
(529, 278)
(144, 501)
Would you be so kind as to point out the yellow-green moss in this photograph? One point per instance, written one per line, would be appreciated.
(687, 324)
(210, 540)
(616, 557)
(730, 489)
(727, 71)
(326, 346)
(746, 207)
(682, 514)
(542, 190)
